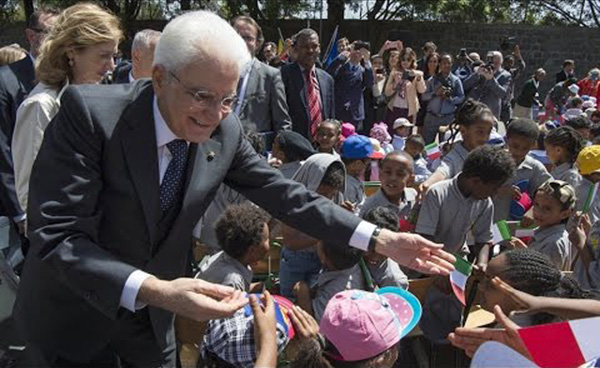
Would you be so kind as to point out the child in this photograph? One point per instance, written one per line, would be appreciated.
(325, 175)
(402, 129)
(553, 203)
(384, 271)
(379, 131)
(450, 210)
(340, 272)
(361, 330)
(328, 136)
(588, 162)
(395, 172)
(243, 234)
(582, 125)
(586, 240)
(575, 104)
(530, 272)
(414, 147)
(290, 149)
(357, 150)
(562, 147)
(521, 137)
(475, 122)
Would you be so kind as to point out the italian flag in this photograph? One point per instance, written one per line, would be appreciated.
(500, 232)
(591, 196)
(458, 278)
(433, 151)
(564, 344)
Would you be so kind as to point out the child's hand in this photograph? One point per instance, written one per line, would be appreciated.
(516, 243)
(305, 325)
(527, 221)
(275, 162)
(526, 303)
(515, 192)
(348, 206)
(577, 233)
(265, 330)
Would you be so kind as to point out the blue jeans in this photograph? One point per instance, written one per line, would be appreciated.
(297, 265)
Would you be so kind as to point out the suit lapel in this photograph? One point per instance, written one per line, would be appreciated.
(203, 159)
(251, 87)
(141, 155)
(301, 87)
(321, 91)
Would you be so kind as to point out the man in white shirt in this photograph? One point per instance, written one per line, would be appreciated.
(142, 58)
(121, 179)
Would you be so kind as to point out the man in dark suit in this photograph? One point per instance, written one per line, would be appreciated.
(568, 71)
(303, 80)
(352, 73)
(261, 104)
(142, 58)
(16, 81)
(122, 177)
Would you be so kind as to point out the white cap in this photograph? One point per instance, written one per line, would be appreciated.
(402, 122)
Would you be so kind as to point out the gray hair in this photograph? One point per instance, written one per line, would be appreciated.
(144, 38)
(304, 34)
(199, 35)
(499, 54)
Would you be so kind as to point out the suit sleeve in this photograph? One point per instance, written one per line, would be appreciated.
(63, 213)
(499, 87)
(288, 200)
(8, 195)
(279, 107)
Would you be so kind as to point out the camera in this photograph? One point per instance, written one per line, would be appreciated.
(463, 53)
(406, 75)
(358, 45)
(507, 44)
(380, 71)
(446, 86)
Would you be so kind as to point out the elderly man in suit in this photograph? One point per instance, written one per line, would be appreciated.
(16, 81)
(261, 104)
(124, 173)
(309, 90)
(490, 84)
(142, 58)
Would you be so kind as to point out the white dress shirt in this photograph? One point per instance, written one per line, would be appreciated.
(360, 238)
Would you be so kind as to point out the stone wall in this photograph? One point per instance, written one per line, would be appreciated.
(545, 47)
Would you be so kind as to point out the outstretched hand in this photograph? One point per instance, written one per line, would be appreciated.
(416, 252)
(469, 339)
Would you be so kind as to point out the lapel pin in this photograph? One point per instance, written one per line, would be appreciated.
(211, 156)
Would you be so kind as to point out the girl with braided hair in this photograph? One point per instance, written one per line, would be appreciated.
(531, 272)
(562, 147)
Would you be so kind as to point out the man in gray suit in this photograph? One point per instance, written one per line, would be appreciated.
(261, 104)
(123, 175)
(490, 84)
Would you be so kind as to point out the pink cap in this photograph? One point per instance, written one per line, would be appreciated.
(362, 325)
(348, 129)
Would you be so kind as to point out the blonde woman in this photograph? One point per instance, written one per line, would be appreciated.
(405, 81)
(79, 49)
(11, 53)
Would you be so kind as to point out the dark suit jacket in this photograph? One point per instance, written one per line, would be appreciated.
(297, 98)
(94, 209)
(562, 76)
(350, 82)
(264, 108)
(121, 73)
(16, 81)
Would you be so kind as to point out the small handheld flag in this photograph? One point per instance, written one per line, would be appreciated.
(459, 277)
(591, 197)
(433, 151)
(501, 232)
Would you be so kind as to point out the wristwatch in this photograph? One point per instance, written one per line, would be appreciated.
(373, 239)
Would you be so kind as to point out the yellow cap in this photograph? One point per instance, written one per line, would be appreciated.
(589, 160)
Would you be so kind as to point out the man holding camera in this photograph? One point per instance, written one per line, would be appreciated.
(444, 93)
(490, 83)
(514, 64)
(352, 74)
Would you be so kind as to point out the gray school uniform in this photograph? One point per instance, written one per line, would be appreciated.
(421, 171)
(530, 169)
(453, 162)
(582, 193)
(447, 215)
(567, 172)
(354, 192)
(590, 279)
(379, 200)
(388, 273)
(225, 270)
(554, 242)
(289, 169)
(329, 283)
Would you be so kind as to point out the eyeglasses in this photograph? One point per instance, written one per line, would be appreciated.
(206, 99)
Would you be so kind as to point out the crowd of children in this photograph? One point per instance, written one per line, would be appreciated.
(541, 181)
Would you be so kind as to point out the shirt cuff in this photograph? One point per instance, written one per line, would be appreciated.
(19, 218)
(362, 235)
(131, 289)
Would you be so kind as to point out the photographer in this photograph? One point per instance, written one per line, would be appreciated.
(490, 83)
(464, 68)
(444, 94)
(514, 64)
(352, 75)
(404, 82)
